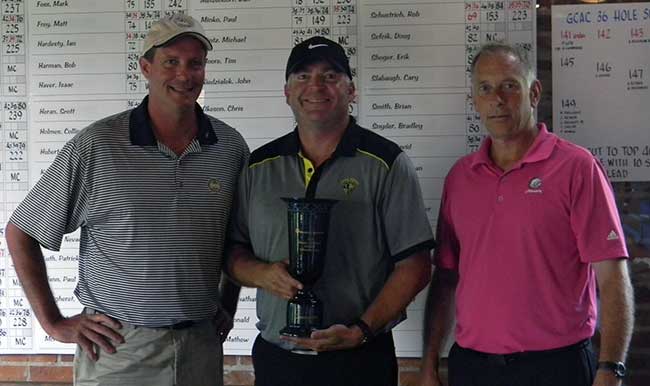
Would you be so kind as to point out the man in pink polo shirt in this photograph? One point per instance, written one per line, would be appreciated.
(528, 228)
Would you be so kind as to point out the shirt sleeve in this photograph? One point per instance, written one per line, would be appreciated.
(447, 253)
(594, 217)
(238, 229)
(57, 204)
(406, 224)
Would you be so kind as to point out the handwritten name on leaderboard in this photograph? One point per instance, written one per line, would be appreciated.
(603, 16)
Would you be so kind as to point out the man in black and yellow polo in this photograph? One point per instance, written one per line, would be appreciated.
(379, 240)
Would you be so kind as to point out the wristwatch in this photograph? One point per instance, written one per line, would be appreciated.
(365, 329)
(618, 368)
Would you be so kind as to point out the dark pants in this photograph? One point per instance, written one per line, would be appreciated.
(573, 365)
(373, 364)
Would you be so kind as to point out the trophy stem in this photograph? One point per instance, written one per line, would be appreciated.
(304, 315)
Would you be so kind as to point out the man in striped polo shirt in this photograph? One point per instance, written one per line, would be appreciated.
(379, 237)
(151, 190)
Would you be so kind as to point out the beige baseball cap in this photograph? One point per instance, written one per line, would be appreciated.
(172, 26)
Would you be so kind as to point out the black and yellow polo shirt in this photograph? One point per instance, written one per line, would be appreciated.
(380, 218)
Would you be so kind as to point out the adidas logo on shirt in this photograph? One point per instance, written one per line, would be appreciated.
(612, 236)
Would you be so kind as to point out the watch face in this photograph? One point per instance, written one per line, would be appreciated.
(618, 368)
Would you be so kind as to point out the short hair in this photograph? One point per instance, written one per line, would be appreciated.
(520, 55)
(151, 52)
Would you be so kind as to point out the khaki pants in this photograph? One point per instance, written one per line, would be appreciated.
(156, 357)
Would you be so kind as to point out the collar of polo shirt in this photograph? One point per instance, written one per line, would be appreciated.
(141, 132)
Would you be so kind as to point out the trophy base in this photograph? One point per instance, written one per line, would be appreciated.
(297, 331)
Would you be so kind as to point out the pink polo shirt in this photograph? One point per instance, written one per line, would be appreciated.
(522, 242)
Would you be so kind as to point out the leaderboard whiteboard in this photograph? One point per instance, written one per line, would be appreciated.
(601, 59)
(66, 63)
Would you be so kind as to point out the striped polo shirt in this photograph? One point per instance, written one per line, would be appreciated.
(378, 220)
(152, 223)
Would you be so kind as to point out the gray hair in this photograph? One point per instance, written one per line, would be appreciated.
(518, 53)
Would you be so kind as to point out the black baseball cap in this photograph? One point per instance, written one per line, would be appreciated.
(318, 48)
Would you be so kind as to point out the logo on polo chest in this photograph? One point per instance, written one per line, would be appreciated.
(349, 185)
(213, 185)
(535, 186)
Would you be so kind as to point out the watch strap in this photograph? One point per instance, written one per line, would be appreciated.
(618, 368)
(365, 329)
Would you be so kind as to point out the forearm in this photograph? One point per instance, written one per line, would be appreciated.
(616, 313)
(438, 316)
(30, 267)
(244, 267)
(250, 271)
(408, 278)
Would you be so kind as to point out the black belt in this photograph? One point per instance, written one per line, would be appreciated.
(176, 326)
(503, 359)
